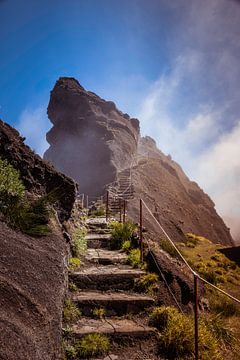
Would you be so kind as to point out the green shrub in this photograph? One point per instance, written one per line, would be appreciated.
(72, 287)
(221, 330)
(70, 311)
(74, 263)
(121, 232)
(11, 187)
(220, 304)
(146, 283)
(176, 338)
(79, 247)
(134, 258)
(99, 312)
(167, 247)
(92, 345)
(126, 246)
(70, 352)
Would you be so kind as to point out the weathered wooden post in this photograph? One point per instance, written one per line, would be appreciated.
(120, 207)
(196, 315)
(124, 211)
(107, 206)
(141, 229)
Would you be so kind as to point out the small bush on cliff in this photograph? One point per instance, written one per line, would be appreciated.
(121, 232)
(79, 246)
(92, 345)
(176, 338)
(70, 311)
(11, 187)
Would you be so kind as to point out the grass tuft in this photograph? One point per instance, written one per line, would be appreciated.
(74, 263)
(146, 283)
(70, 311)
(134, 258)
(92, 345)
(121, 232)
(79, 246)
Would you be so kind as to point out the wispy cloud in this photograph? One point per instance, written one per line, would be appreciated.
(34, 124)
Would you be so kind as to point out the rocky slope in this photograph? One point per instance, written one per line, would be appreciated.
(88, 136)
(33, 271)
(93, 142)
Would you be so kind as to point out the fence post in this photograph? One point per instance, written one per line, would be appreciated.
(124, 211)
(87, 201)
(196, 315)
(141, 229)
(120, 206)
(107, 205)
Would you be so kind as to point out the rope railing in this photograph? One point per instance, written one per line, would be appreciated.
(196, 276)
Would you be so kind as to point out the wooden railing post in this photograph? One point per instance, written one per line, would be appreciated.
(141, 229)
(196, 315)
(120, 206)
(107, 206)
(124, 211)
(87, 201)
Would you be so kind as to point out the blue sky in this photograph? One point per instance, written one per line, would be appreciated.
(173, 64)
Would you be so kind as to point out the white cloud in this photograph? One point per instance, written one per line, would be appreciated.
(34, 124)
(208, 153)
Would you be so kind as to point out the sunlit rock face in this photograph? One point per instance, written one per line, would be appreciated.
(91, 140)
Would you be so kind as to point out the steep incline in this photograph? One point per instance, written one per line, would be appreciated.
(33, 271)
(94, 143)
(90, 139)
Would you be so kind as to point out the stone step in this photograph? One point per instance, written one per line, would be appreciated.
(106, 257)
(98, 241)
(114, 328)
(102, 277)
(114, 303)
(99, 231)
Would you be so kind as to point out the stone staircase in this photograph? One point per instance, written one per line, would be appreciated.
(106, 281)
(123, 191)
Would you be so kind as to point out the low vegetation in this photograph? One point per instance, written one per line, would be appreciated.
(79, 246)
(74, 263)
(176, 338)
(169, 248)
(134, 258)
(72, 287)
(99, 313)
(147, 283)
(29, 217)
(71, 312)
(121, 232)
(92, 345)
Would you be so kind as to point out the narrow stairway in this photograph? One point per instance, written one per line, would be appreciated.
(123, 189)
(107, 282)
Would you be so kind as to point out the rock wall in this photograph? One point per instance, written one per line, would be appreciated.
(90, 139)
(33, 271)
(39, 177)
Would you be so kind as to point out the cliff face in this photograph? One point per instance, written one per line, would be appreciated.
(90, 139)
(38, 176)
(33, 271)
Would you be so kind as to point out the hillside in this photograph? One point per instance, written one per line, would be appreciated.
(92, 134)
(33, 271)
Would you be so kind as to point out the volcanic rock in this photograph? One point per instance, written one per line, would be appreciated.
(38, 176)
(96, 144)
(91, 140)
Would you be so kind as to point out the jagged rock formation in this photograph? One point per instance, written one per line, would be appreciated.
(39, 177)
(91, 139)
(33, 271)
(94, 142)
